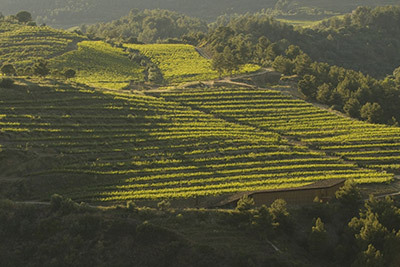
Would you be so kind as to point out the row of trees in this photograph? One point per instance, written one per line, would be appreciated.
(338, 41)
(146, 26)
(21, 17)
(40, 68)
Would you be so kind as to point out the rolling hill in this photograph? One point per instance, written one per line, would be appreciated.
(99, 64)
(108, 146)
(182, 63)
(22, 45)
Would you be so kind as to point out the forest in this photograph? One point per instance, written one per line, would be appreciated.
(75, 12)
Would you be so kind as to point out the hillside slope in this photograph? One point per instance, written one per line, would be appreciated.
(23, 45)
(99, 64)
(182, 63)
(108, 146)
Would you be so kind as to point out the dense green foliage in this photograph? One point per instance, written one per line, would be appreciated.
(344, 41)
(75, 12)
(359, 96)
(66, 233)
(148, 26)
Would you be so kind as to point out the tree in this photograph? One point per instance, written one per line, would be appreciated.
(352, 107)
(155, 75)
(8, 69)
(396, 74)
(273, 51)
(293, 51)
(217, 63)
(245, 203)
(308, 86)
(349, 195)
(24, 16)
(283, 65)
(368, 230)
(70, 73)
(231, 61)
(369, 258)
(372, 112)
(279, 213)
(324, 93)
(317, 240)
(302, 64)
(389, 214)
(40, 68)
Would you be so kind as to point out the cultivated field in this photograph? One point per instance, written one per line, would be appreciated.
(99, 64)
(23, 45)
(91, 145)
(367, 145)
(181, 63)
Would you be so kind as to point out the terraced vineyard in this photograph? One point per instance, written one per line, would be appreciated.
(367, 145)
(181, 63)
(113, 147)
(23, 45)
(99, 64)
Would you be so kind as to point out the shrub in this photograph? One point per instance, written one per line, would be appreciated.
(8, 69)
(69, 73)
(40, 68)
(64, 205)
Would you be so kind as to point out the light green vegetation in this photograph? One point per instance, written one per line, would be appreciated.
(182, 63)
(99, 64)
(23, 45)
(91, 145)
(367, 145)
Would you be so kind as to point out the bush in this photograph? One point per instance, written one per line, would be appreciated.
(8, 69)
(64, 205)
(69, 73)
(40, 68)
(24, 16)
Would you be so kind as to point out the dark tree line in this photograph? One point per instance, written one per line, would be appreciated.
(366, 40)
(358, 95)
(148, 26)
